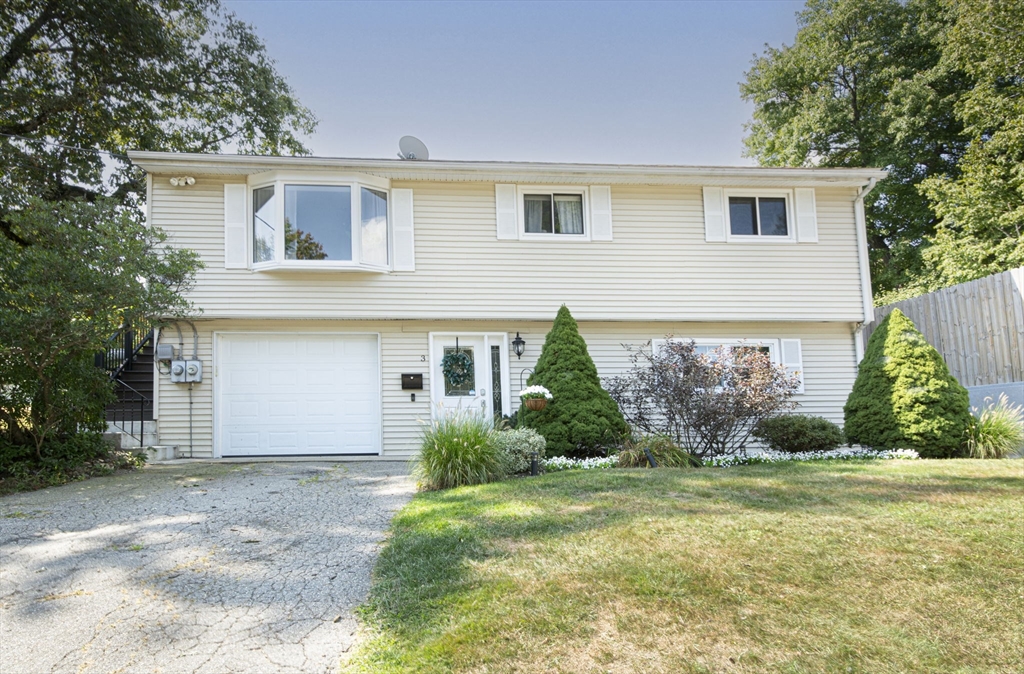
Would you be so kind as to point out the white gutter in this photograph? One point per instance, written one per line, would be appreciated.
(865, 266)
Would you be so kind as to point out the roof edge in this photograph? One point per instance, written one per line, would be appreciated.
(212, 164)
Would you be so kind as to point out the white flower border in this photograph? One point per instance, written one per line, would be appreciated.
(560, 463)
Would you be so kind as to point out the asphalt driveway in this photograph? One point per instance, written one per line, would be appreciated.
(193, 568)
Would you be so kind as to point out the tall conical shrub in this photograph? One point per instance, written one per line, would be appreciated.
(581, 419)
(904, 395)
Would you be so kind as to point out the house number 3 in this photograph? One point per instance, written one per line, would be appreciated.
(423, 359)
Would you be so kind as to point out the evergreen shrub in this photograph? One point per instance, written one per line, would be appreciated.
(904, 395)
(581, 419)
(799, 433)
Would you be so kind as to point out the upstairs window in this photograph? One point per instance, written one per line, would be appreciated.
(320, 226)
(553, 214)
(263, 218)
(317, 222)
(758, 216)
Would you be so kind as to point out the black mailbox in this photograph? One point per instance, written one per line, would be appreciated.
(412, 381)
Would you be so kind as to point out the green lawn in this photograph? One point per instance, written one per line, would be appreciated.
(895, 566)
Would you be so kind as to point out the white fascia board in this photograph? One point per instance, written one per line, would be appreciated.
(561, 173)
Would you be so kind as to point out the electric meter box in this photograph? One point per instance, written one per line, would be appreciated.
(186, 371)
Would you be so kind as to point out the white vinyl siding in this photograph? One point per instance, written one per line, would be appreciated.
(829, 366)
(659, 266)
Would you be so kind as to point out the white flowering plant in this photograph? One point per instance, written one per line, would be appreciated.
(559, 463)
(535, 392)
(844, 454)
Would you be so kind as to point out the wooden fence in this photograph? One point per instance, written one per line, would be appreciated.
(978, 327)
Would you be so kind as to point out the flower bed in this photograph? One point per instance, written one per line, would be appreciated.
(559, 463)
(844, 454)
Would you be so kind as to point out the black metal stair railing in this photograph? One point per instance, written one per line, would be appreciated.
(128, 414)
(132, 407)
(122, 349)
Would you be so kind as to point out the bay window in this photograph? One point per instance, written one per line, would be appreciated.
(319, 226)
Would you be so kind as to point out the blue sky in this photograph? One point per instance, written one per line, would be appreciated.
(608, 82)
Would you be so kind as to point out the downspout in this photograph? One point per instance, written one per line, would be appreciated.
(865, 267)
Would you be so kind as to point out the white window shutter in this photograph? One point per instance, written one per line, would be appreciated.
(657, 345)
(235, 244)
(806, 215)
(402, 230)
(600, 213)
(505, 202)
(792, 360)
(714, 214)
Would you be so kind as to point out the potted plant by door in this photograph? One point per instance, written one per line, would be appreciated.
(535, 397)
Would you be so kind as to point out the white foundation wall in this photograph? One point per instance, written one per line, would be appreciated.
(829, 363)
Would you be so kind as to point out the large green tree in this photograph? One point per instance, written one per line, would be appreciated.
(982, 208)
(865, 84)
(80, 84)
(78, 79)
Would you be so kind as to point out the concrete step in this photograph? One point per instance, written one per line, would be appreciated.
(120, 436)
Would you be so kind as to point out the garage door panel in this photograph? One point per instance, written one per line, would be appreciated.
(299, 394)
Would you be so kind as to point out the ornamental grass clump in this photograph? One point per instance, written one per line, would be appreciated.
(666, 453)
(997, 431)
(904, 395)
(458, 449)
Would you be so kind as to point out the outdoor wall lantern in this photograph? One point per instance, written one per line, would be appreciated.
(518, 345)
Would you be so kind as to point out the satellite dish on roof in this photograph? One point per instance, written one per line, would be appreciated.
(411, 147)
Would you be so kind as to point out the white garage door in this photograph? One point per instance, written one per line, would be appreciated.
(289, 394)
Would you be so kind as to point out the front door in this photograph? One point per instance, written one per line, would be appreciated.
(476, 375)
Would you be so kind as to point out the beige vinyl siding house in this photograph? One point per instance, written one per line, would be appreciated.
(307, 356)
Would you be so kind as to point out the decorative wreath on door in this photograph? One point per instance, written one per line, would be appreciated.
(457, 367)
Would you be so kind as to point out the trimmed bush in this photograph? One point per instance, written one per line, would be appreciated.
(77, 457)
(904, 395)
(998, 430)
(581, 419)
(799, 433)
(458, 449)
(517, 446)
(667, 453)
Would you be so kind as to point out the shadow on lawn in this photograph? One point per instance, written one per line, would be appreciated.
(426, 563)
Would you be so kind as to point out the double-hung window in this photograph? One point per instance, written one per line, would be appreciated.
(785, 352)
(553, 213)
(759, 215)
(311, 225)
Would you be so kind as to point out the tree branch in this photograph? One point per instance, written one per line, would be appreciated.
(20, 44)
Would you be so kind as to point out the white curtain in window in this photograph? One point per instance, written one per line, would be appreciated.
(534, 213)
(568, 214)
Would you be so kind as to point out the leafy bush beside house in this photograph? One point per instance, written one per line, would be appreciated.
(707, 404)
(799, 433)
(581, 419)
(904, 395)
(517, 447)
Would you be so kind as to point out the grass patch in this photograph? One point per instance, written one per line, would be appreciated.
(848, 567)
